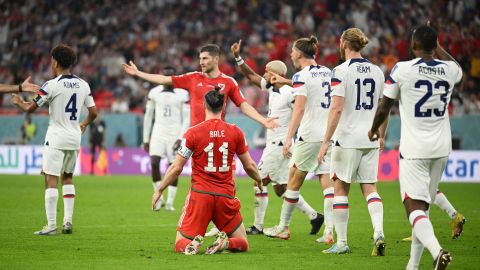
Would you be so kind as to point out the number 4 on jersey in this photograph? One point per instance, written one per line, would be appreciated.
(72, 107)
(224, 150)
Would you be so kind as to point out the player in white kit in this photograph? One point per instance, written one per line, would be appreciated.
(169, 111)
(65, 95)
(423, 87)
(357, 86)
(309, 117)
(273, 166)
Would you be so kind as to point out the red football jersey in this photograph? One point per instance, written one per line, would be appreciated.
(197, 84)
(212, 145)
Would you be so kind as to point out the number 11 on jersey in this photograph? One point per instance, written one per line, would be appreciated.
(210, 151)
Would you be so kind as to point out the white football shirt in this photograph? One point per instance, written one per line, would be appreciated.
(65, 95)
(361, 84)
(313, 82)
(280, 106)
(168, 109)
(424, 90)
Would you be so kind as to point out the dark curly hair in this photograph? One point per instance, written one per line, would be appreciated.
(64, 55)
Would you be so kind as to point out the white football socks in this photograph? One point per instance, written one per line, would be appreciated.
(290, 200)
(416, 251)
(51, 198)
(172, 192)
(261, 203)
(305, 208)
(328, 209)
(442, 202)
(340, 218)
(375, 208)
(68, 192)
(423, 230)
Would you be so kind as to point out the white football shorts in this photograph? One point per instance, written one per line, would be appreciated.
(56, 161)
(352, 165)
(163, 149)
(419, 178)
(273, 164)
(304, 157)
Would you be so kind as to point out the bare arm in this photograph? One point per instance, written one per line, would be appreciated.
(334, 117)
(297, 115)
(244, 68)
(132, 70)
(92, 114)
(249, 111)
(279, 79)
(26, 86)
(25, 106)
(250, 167)
(380, 119)
(170, 176)
(332, 123)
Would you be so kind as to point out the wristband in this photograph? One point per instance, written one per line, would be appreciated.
(239, 61)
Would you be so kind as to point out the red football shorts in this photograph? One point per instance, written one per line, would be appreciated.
(201, 208)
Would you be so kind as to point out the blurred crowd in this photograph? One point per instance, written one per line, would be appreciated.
(157, 33)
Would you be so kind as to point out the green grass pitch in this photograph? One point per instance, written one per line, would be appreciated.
(114, 228)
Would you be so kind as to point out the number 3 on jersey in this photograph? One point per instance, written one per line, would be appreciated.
(224, 150)
(72, 107)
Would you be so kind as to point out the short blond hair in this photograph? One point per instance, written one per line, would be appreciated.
(356, 39)
(277, 66)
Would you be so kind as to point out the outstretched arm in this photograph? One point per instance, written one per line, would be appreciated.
(249, 111)
(132, 70)
(26, 86)
(244, 68)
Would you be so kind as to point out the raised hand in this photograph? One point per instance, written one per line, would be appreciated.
(235, 48)
(27, 86)
(130, 68)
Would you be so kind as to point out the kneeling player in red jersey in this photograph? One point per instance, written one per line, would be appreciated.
(212, 145)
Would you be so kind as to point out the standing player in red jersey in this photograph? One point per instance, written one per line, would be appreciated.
(199, 83)
(212, 145)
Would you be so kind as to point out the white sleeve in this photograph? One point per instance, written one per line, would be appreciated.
(89, 102)
(459, 74)
(338, 82)
(391, 89)
(263, 84)
(148, 119)
(185, 118)
(298, 81)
